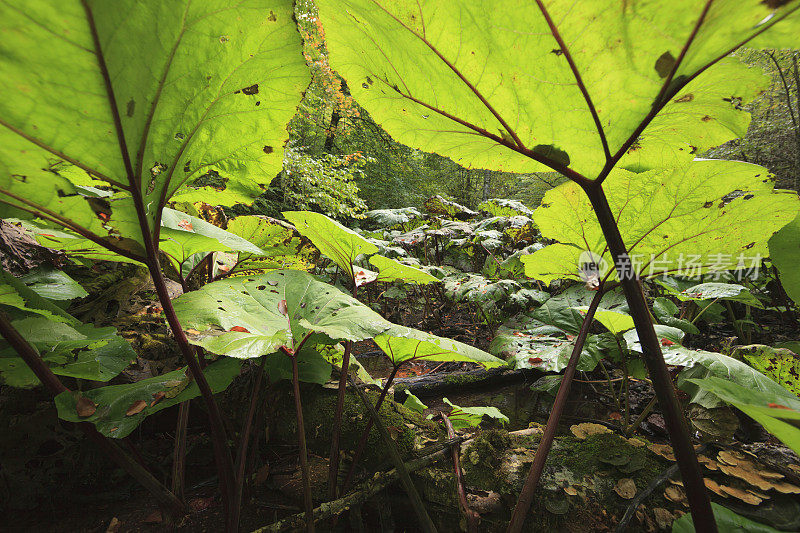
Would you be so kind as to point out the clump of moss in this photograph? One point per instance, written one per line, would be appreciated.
(482, 457)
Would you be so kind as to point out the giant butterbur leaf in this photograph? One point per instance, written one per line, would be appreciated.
(282, 246)
(145, 96)
(784, 251)
(778, 412)
(79, 351)
(183, 236)
(337, 242)
(242, 317)
(402, 344)
(703, 217)
(499, 85)
(121, 408)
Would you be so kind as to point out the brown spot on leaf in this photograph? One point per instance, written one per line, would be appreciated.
(136, 408)
(85, 407)
(272, 17)
(685, 98)
(706, 118)
(240, 329)
(130, 107)
(267, 149)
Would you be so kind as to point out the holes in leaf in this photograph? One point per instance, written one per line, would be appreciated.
(179, 136)
(272, 283)
(253, 89)
(556, 51)
(223, 39)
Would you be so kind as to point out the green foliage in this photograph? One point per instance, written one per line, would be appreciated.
(391, 270)
(115, 416)
(326, 183)
(53, 284)
(465, 417)
(503, 207)
(166, 121)
(727, 521)
(82, 351)
(406, 344)
(184, 236)
(406, 64)
(780, 364)
(784, 251)
(282, 245)
(337, 242)
(778, 411)
(704, 211)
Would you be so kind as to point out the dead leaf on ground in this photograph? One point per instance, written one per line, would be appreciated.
(136, 408)
(626, 488)
(636, 443)
(587, 429)
(572, 491)
(153, 518)
(85, 407)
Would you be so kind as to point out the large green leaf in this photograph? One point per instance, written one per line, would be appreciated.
(392, 270)
(407, 344)
(339, 243)
(465, 417)
(779, 413)
(700, 364)
(784, 251)
(53, 284)
(716, 291)
(114, 402)
(183, 236)
(495, 85)
(146, 96)
(242, 317)
(282, 245)
(780, 364)
(79, 351)
(20, 300)
(707, 216)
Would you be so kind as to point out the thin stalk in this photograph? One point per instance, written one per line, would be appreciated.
(33, 360)
(535, 472)
(362, 442)
(639, 419)
(703, 310)
(611, 388)
(301, 441)
(419, 508)
(691, 473)
(179, 450)
(333, 470)
(471, 517)
(244, 440)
